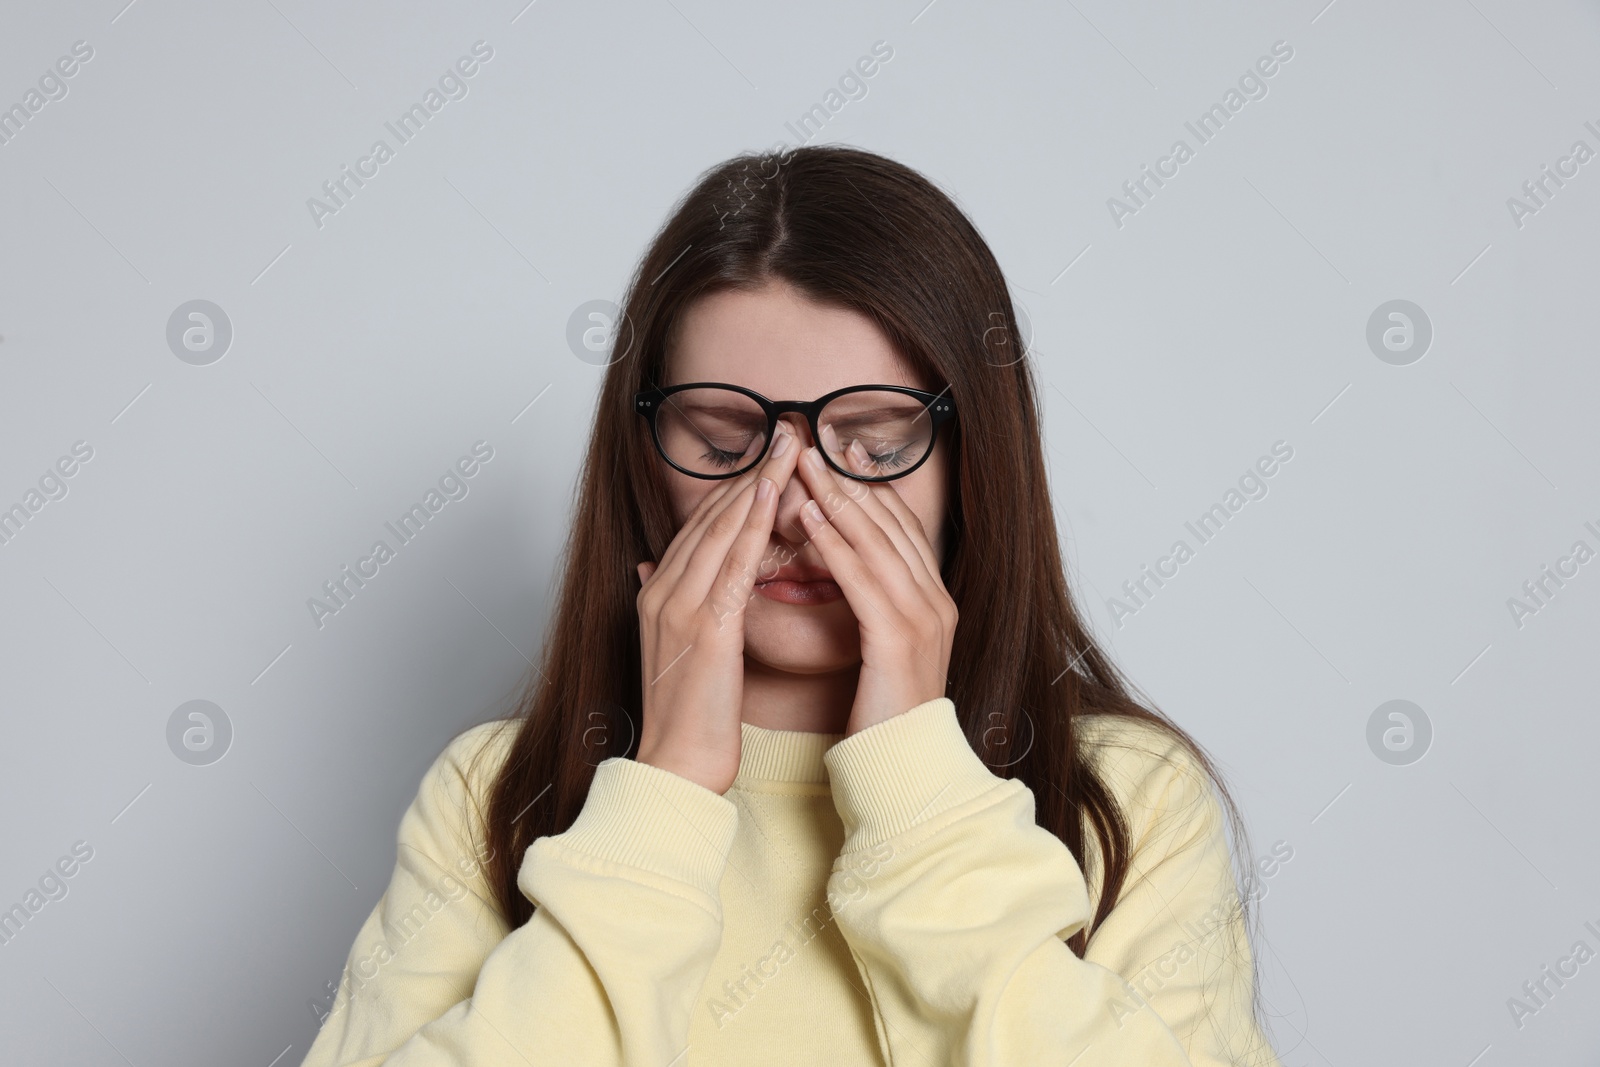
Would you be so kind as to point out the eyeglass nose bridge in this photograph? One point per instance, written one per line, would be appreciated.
(806, 409)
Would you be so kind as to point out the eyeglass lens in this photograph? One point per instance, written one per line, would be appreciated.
(707, 430)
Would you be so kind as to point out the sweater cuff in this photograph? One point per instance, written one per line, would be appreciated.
(903, 771)
(643, 816)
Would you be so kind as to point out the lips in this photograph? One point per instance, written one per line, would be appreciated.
(803, 586)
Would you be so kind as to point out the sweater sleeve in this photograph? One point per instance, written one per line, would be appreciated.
(627, 922)
(956, 907)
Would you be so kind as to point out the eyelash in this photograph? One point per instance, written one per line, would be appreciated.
(890, 461)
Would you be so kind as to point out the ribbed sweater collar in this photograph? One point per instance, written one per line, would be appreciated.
(768, 755)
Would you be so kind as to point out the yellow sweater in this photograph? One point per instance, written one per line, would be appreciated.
(882, 898)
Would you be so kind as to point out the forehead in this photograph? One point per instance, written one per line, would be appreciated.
(783, 345)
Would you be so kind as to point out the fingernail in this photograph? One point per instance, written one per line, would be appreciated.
(781, 445)
(859, 456)
(814, 457)
(764, 490)
(812, 512)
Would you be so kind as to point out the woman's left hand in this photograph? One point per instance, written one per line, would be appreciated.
(879, 554)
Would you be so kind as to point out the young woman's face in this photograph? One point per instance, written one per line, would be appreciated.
(785, 346)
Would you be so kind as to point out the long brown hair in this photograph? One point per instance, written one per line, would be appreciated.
(852, 229)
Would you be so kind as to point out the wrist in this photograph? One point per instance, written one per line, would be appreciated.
(700, 771)
(864, 717)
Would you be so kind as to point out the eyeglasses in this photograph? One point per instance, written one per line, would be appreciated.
(714, 430)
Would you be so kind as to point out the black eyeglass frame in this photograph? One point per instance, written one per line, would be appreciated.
(940, 408)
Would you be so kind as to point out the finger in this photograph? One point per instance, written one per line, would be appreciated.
(721, 496)
(859, 582)
(868, 527)
(911, 523)
(688, 537)
(889, 496)
(718, 496)
(736, 578)
(874, 610)
(688, 576)
(871, 498)
(708, 557)
(688, 544)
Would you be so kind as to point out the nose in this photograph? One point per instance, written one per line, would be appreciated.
(786, 523)
(798, 425)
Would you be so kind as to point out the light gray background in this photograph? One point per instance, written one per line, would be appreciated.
(368, 354)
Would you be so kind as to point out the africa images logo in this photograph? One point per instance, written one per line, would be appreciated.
(453, 85)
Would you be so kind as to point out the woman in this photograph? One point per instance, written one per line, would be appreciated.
(886, 801)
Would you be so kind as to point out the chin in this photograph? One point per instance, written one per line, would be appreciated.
(811, 639)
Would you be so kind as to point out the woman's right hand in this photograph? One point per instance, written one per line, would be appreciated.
(691, 622)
